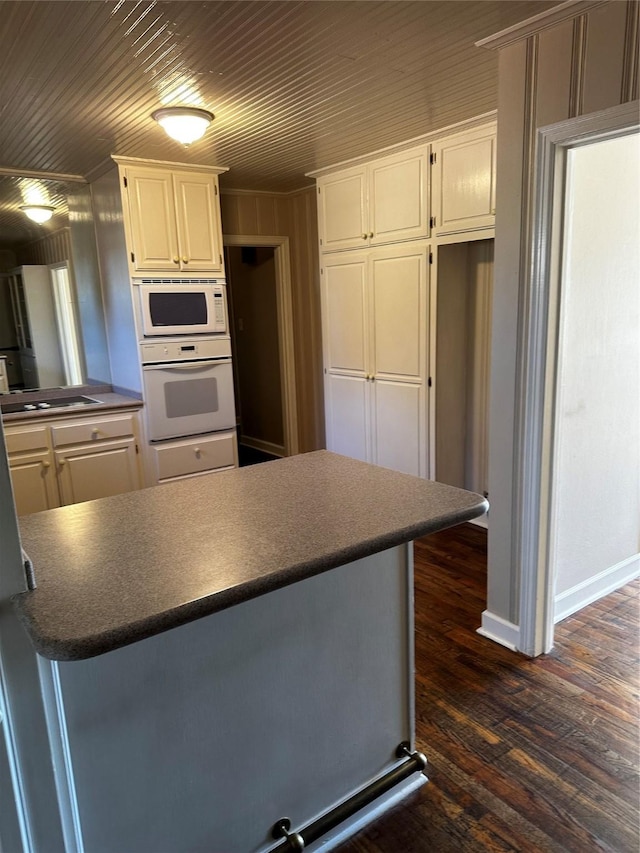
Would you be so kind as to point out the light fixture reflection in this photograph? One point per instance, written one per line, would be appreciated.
(184, 124)
(38, 212)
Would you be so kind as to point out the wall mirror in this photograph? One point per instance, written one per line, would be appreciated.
(52, 328)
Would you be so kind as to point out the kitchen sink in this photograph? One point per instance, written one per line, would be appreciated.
(51, 403)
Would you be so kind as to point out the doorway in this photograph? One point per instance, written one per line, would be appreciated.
(604, 324)
(257, 371)
(595, 508)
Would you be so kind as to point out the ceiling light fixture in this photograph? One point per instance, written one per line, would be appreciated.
(185, 124)
(38, 212)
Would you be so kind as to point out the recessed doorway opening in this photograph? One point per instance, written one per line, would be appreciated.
(259, 294)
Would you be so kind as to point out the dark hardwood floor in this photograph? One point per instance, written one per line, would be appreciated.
(524, 755)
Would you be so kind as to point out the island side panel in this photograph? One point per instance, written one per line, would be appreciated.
(202, 737)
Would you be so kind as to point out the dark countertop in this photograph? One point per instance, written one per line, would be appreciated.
(113, 571)
(108, 400)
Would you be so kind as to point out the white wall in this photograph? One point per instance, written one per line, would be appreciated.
(596, 505)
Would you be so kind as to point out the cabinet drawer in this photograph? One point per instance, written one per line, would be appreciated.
(195, 455)
(27, 438)
(82, 432)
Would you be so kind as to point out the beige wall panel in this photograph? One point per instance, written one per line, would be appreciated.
(247, 214)
(451, 360)
(52, 249)
(502, 584)
(229, 214)
(604, 60)
(266, 214)
(631, 80)
(553, 91)
(308, 335)
(293, 216)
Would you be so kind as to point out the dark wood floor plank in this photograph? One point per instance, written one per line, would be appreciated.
(533, 756)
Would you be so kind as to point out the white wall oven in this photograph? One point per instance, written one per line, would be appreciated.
(188, 387)
(180, 307)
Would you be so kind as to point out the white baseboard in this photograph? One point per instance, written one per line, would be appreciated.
(500, 631)
(259, 444)
(592, 589)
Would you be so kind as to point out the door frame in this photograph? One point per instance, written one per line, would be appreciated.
(286, 350)
(536, 397)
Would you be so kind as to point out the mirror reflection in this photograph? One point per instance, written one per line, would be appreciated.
(52, 329)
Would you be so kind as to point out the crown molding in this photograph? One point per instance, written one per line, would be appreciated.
(180, 167)
(531, 26)
(414, 142)
(287, 194)
(43, 176)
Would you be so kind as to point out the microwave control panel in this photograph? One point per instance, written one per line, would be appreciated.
(185, 349)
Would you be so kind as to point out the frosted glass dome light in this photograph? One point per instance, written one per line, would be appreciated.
(184, 124)
(38, 212)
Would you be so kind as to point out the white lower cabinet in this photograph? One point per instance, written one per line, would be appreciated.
(66, 461)
(33, 473)
(375, 309)
(189, 457)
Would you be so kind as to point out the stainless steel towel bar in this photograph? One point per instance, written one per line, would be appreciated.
(296, 841)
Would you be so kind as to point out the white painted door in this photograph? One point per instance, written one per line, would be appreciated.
(345, 307)
(87, 472)
(464, 182)
(152, 214)
(345, 316)
(342, 219)
(348, 418)
(399, 350)
(399, 197)
(399, 439)
(199, 231)
(375, 328)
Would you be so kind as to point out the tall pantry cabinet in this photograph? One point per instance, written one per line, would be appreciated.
(383, 224)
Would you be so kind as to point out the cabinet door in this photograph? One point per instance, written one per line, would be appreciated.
(342, 221)
(464, 182)
(345, 313)
(99, 470)
(33, 479)
(154, 233)
(399, 197)
(199, 231)
(347, 404)
(399, 439)
(400, 307)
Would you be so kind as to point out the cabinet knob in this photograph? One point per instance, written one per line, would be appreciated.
(185, 260)
(95, 432)
(46, 464)
(370, 233)
(196, 450)
(176, 259)
(364, 236)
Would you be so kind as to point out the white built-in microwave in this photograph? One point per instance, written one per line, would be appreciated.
(182, 307)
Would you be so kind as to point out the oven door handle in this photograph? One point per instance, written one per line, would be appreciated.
(201, 365)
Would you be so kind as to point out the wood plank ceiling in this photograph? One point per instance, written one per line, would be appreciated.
(294, 85)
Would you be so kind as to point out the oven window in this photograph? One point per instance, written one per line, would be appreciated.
(178, 308)
(186, 397)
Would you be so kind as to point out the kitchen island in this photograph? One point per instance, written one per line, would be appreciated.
(221, 652)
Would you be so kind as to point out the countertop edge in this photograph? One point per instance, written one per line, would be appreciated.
(83, 648)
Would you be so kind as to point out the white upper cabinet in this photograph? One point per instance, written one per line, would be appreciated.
(385, 201)
(173, 219)
(399, 197)
(464, 182)
(342, 214)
